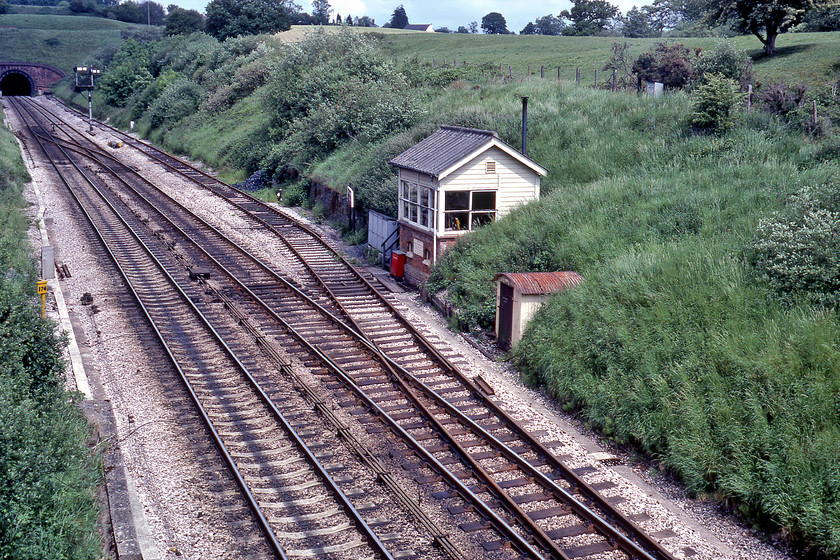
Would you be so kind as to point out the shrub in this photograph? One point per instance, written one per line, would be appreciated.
(716, 103)
(797, 251)
(724, 60)
(669, 64)
(780, 98)
(178, 100)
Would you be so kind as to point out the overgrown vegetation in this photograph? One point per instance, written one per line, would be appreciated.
(47, 475)
(693, 337)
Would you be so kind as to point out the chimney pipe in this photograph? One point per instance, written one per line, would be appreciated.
(524, 125)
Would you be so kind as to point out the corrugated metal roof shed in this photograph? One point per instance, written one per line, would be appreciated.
(447, 146)
(536, 283)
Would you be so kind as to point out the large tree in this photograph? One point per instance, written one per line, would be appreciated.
(766, 19)
(589, 17)
(637, 24)
(399, 19)
(229, 18)
(494, 24)
(549, 25)
(321, 12)
(180, 21)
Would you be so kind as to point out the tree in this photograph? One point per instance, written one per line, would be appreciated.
(637, 24)
(229, 18)
(182, 22)
(549, 25)
(399, 19)
(529, 29)
(766, 19)
(349, 20)
(473, 27)
(365, 21)
(589, 17)
(494, 24)
(443, 30)
(462, 29)
(321, 12)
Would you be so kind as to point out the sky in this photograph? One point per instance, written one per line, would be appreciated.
(442, 13)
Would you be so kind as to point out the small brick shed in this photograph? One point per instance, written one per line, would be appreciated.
(518, 297)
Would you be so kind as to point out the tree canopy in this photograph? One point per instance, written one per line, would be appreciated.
(589, 17)
(494, 24)
(399, 19)
(321, 12)
(230, 18)
(766, 19)
(182, 22)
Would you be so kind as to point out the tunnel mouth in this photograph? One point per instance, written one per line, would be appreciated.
(16, 83)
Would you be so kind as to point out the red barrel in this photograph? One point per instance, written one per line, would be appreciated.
(397, 264)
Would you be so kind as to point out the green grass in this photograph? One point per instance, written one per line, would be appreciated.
(802, 56)
(62, 41)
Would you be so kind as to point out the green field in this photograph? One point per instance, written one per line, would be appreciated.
(802, 56)
(62, 41)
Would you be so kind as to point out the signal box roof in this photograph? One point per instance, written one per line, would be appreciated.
(451, 147)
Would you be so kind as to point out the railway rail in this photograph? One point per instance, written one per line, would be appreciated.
(512, 495)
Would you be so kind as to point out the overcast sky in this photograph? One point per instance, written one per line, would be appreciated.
(442, 13)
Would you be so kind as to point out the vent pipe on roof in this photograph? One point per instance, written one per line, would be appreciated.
(524, 125)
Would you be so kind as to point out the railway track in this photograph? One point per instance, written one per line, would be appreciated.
(511, 494)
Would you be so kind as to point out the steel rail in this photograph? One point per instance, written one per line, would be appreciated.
(346, 503)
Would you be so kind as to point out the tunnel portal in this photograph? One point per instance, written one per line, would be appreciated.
(28, 78)
(16, 83)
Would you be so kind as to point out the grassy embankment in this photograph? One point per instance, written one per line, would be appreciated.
(47, 474)
(802, 56)
(63, 41)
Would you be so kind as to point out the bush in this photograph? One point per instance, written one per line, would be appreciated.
(780, 98)
(724, 60)
(797, 251)
(669, 64)
(178, 100)
(716, 103)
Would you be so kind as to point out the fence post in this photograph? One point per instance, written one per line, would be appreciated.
(501, 67)
(510, 71)
(434, 62)
(749, 97)
(577, 76)
(614, 79)
(558, 73)
(596, 78)
(815, 113)
(542, 72)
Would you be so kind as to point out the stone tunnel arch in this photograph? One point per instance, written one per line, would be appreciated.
(15, 82)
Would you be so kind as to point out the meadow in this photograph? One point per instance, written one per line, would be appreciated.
(802, 56)
(61, 41)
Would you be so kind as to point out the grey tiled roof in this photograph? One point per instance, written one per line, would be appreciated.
(440, 151)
